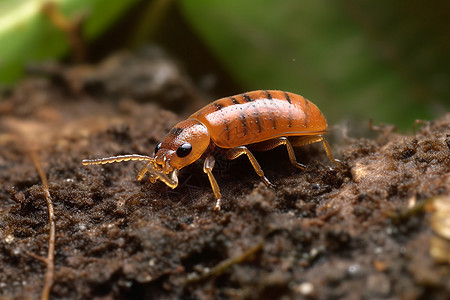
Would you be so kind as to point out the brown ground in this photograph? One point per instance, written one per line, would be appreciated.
(374, 230)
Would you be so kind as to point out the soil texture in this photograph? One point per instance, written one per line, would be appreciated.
(376, 229)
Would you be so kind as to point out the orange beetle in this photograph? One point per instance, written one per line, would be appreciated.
(259, 120)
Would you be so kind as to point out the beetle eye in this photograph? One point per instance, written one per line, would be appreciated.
(158, 146)
(184, 150)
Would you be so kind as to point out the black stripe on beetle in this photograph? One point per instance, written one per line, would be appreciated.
(257, 119)
(218, 106)
(247, 98)
(288, 98)
(269, 97)
(258, 122)
(244, 122)
(234, 100)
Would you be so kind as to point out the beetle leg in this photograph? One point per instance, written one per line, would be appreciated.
(208, 166)
(238, 151)
(268, 145)
(171, 179)
(306, 140)
(143, 171)
(330, 154)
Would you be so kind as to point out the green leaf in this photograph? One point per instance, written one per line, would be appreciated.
(27, 35)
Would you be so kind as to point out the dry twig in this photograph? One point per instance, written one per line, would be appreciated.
(49, 274)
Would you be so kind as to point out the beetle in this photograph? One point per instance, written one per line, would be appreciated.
(259, 120)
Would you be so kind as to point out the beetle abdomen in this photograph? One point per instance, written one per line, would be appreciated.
(259, 116)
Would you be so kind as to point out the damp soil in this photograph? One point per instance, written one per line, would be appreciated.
(364, 231)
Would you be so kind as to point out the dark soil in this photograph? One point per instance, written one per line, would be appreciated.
(361, 232)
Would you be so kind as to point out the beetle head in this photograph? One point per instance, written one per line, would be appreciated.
(184, 144)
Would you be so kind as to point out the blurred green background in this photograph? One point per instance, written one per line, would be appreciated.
(356, 59)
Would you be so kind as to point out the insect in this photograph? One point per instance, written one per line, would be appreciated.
(260, 120)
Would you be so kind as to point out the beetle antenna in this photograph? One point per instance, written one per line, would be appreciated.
(114, 159)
